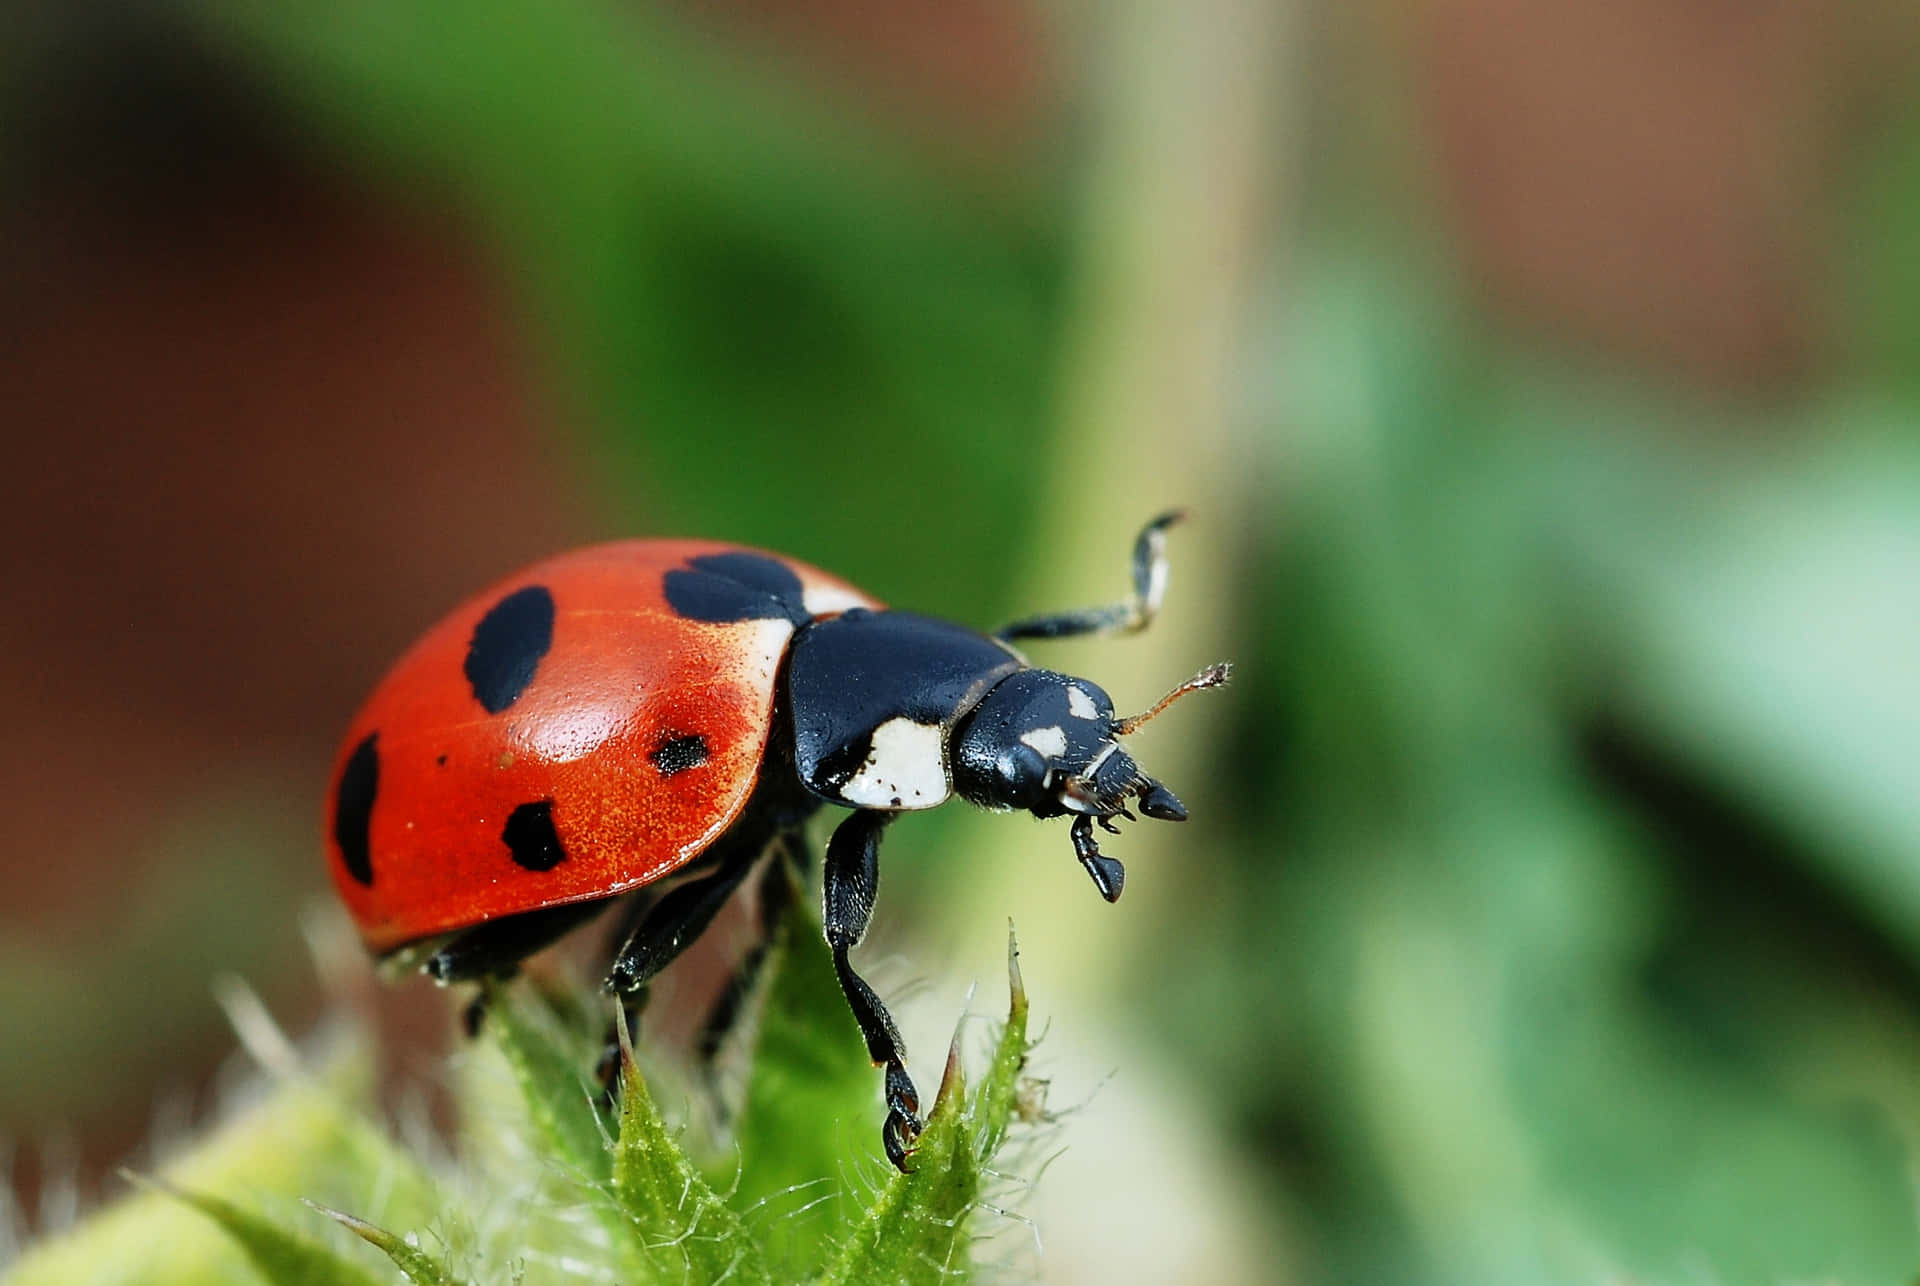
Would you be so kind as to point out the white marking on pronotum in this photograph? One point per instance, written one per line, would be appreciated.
(828, 600)
(906, 767)
(1080, 701)
(1051, 742)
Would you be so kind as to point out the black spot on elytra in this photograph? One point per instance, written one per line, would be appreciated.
(507, 646)
(738, 586)
(440, 761)
(531, 838)
(353, 808)
(679, 754)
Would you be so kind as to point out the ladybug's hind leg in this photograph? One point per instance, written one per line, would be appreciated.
(495, 949)
(852, 880)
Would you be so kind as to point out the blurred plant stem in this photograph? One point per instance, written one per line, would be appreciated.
(1193, 133)
(1193, 124)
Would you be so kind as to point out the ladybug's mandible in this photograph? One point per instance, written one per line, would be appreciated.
(621, 714)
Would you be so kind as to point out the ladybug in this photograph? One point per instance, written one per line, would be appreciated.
(616, 716)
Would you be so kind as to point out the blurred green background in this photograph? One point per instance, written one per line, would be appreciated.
(1543, 383)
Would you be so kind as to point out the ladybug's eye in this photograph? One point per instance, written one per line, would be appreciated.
(1025, 772)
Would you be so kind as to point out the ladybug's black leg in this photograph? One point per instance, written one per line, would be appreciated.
(1108, 875)
(496, 948)
(637, 906)
(665, 929)
(1136, 613)
(779, 884)
(672, 923)
(852, 880)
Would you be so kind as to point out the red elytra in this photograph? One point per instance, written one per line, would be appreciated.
(627, 692)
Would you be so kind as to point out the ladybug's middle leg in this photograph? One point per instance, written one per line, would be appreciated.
(671, 924)
(852, 880)
(662, 929)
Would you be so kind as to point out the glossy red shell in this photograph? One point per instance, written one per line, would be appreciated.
(623, 676)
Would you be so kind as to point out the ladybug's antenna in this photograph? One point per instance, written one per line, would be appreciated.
(1212, 677)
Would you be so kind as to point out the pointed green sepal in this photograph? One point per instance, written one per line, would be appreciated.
(917, 1231)
(420, 1267)
(681, 1224)
(283, 1257)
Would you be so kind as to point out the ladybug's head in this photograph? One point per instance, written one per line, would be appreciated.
(1049, 743)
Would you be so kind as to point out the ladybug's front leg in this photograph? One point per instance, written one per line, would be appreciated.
(852, 880)
(1136, 613)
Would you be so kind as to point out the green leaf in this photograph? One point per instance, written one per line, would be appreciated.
(283, 1257)
(547, 1045)
(918, 1230)
(1563, 1013)
(671, 1209)
(308, 1137)
(540, 1190)
(420, 1267)
(1000, 1094)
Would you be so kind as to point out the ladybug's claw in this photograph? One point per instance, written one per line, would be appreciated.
(903, 1117)
(903, 1125)
(902, 1098)
(898, 1136)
